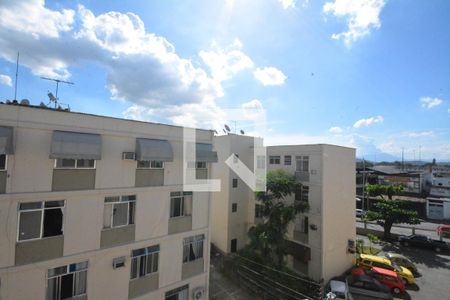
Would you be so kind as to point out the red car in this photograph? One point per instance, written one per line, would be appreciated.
(386, 277)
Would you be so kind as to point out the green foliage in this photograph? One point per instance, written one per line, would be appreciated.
(389, 212)
(380, 190)
(373, 238)
(268, 239)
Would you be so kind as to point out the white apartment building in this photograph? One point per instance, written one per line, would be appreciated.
(322, 238)
(93, 207)
(438, 203)
(233, 208)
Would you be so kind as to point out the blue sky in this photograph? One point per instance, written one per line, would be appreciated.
(370, 74)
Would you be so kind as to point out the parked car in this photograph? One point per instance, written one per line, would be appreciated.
(340, 290)
(360, 213)
(367, 286)
(403, 261)
(422, 241)
(367, 261)
(444, 231)
(387, 277)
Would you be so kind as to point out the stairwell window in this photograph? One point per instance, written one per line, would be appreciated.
(68, 163)
(3, 162)
(193, 248)
(119, 211)
(180, 204)
(67, 281)
(144, 261)
(39, 220)
(153, 164)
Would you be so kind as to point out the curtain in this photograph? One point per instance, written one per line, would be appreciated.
(107, 216)
(52, 289)
(80, 283)
(188, 205)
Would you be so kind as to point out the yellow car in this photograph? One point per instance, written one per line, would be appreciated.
(367, 261)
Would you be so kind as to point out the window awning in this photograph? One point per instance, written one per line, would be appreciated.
(6, 140)
(76, 145)
(204, 152)
(149, 149)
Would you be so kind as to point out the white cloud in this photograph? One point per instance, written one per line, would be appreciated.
(269, 76)
(420, 134)
(361, 15)
(335, 130)
(225, 63)
(369, 121)
(287, 3)
(6, 80)
(32, 17)
(429, 102)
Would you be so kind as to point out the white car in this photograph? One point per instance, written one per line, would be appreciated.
(360, 213)
(338, 291)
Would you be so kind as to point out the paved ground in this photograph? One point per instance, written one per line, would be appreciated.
(425, 228)
(434, 284)
(221, 288)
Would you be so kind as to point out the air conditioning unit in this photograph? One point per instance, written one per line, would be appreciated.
(129, 155)
(119, 262)
(198, 293)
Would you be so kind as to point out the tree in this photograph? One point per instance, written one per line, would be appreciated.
(388, 211)
(268, 239)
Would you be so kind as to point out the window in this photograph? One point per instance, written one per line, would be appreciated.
(305, 225)
(40, 219)
(200, 164)
(154, 164)
(235, 182)
(302, 193)
(181, 293)
(287, 160)
(302, 163)
(180, 204)
(193, 248)
(234, 207)
(144, 261)
(3, 160)
(260, 161)
(67, 163)
(233, 247)
(259, 211)
(274, 160)
(119, 211)
(67, 281)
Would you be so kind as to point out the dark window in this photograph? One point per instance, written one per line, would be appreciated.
(233, 245)
(287, 160)
(235, 182)
(274, 160)
(2, 162)
(181, 293)
(40, 219)
(193, 248)
(67, 282)
(234, 207)
(305, 225)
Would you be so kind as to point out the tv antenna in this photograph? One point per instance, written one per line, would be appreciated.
(55, 97)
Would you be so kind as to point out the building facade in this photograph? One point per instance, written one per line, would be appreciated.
(323, 237)
(233, 208)
(93, 207)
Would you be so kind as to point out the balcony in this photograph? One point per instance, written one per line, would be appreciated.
(302, 176)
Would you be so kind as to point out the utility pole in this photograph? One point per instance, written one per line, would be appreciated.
(403, 158)
(17, 75)
(364, 184)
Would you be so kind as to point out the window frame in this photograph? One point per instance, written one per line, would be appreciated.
(181, 195)
(234, 183)
(149, 253)
(288, 162)
(42, 209)
(67, 272)
(197, 239)
(300, 161)
(6, 162)
(234, 207)
(150, 162)
(55, 166)
(121, 201)
(273, 159)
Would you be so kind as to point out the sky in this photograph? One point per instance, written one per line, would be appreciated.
(369, 74)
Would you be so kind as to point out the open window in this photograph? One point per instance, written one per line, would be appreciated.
(40, 220)
(119, 211)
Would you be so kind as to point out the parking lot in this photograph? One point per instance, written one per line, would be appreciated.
(434, 283)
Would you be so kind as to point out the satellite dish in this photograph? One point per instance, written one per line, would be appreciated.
(242, 131)
(224, 131)
(227, 128)
(25, 102)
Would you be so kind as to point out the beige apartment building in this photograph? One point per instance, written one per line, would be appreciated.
(233, 208)
(93, 207)
(322, 238)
